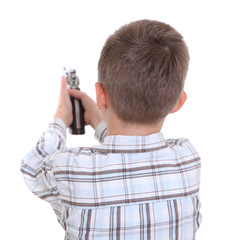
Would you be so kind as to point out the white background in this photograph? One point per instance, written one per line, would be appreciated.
(37, 38)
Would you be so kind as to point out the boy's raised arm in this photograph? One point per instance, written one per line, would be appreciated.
(36, 166)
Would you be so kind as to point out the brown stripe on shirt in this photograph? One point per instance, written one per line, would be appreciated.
(118, 228)
(88, 224)
(129, 170)
(134, 200)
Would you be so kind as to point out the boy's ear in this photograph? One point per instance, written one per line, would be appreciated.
(180, 103)
(101, 97)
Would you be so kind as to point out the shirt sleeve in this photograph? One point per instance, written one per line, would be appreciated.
(101, 131)
(36, 166)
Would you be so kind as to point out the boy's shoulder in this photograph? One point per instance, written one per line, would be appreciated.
(182, 148)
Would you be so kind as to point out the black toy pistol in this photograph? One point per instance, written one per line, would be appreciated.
(78, 124)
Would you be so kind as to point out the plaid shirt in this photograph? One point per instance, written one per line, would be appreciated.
(127, 188)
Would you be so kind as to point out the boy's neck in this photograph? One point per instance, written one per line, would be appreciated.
(118, 127)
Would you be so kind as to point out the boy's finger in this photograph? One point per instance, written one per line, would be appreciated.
(76, 93)
(63, 87)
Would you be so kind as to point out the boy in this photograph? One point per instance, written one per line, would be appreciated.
(135, 184)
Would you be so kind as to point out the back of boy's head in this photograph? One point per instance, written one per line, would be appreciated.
(142, 67)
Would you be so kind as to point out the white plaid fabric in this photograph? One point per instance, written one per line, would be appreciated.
(126, 188)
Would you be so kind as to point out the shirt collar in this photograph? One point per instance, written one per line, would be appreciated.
(132, 144)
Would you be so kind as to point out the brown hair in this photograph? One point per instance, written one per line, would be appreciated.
(142, 67)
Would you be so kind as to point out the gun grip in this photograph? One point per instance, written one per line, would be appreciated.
(78, 124)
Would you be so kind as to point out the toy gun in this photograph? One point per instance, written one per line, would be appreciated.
(78, 124)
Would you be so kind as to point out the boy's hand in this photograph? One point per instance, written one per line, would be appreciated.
(64, 109)
(91, 113)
